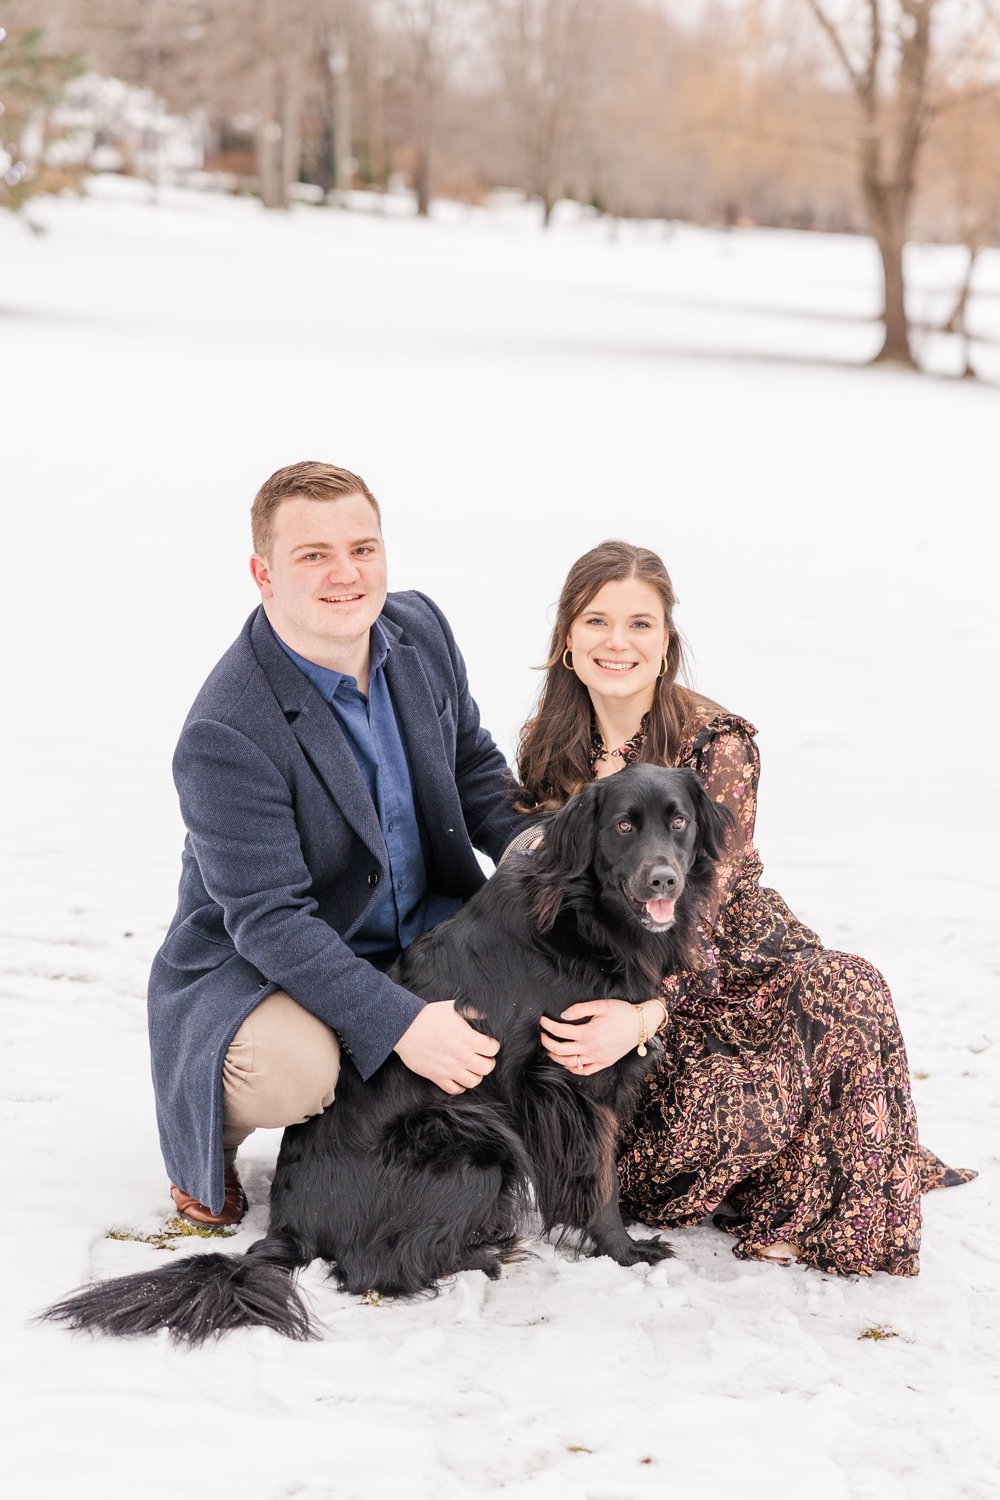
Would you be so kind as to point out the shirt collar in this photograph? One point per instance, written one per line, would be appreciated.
(325, 680)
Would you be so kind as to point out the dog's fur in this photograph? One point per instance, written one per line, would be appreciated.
(398, 1184)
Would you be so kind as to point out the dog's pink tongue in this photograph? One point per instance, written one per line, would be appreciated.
(660, 911)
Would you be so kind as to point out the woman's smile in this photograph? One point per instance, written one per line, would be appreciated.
(607, 665)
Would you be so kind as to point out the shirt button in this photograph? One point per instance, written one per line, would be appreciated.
(373, 878)
(392, 827)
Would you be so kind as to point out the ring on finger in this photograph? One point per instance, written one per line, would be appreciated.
(579, 1064)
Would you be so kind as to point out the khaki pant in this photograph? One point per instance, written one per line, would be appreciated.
(281, 1068)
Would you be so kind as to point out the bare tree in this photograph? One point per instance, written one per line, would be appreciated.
(341, 52)
(545, 51)
(256, 55)
(428, 33)
(961, 193)
(895, 56)
(617, 145)
(757, 130)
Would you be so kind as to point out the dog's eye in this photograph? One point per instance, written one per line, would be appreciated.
(623, 825)
(678, 822)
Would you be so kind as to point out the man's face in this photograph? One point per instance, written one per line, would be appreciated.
(323, 582)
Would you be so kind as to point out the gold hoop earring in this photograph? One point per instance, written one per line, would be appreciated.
(568, 664)
(663, 669)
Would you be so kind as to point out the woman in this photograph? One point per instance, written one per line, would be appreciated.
(781, 1094)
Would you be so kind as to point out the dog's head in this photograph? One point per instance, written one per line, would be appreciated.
(632, 843)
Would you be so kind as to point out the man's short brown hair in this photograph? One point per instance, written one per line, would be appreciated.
(307, 481)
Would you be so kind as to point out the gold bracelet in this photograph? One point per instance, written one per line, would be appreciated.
(666, 1014)
(643, 1033)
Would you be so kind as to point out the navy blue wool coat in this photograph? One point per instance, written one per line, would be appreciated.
(283, 854)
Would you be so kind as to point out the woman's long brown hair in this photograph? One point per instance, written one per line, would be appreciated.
(553, 756)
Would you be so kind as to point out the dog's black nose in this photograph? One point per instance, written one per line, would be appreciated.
(662, 878)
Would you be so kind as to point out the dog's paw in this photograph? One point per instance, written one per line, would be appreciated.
(649, 1251)
(636, 1252)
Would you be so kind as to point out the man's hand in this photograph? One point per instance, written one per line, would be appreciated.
(441, 1045)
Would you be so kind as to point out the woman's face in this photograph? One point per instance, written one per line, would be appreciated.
(619, 642)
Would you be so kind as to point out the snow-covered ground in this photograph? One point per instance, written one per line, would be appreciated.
(512, 398)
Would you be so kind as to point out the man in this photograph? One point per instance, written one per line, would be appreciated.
(334, 778)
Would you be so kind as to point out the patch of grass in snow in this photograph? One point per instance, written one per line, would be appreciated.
(174, 1229)
(878, 1333)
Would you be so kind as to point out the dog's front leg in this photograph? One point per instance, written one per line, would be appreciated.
(610, 1237)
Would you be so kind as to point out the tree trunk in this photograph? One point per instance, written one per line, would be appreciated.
(957, 323)
(291, 120)
(887, 210)
(896, 345)
(893, 126)
(378, 161)
(269, 151)
(422, 180)
(425, 81)
(272, 185)
(342, 129)
(326, 164)
(422, 138)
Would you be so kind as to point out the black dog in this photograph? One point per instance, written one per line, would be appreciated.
(398, 1184)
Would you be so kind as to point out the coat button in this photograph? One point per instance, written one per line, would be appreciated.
(373, 878)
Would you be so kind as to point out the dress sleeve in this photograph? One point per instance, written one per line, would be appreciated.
(726, 758)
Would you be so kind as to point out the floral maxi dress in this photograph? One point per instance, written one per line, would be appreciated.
(782, 1091)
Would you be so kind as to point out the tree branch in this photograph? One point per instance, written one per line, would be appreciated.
(858, 80)
(874, 56)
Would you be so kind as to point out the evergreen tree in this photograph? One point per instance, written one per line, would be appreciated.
(32, 81)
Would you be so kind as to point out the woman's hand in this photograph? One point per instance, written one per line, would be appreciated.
(605, 1031)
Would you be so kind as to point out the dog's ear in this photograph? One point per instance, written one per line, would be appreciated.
(567, 852)
(716, 824)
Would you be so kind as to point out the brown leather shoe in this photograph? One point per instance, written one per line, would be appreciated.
(233, 1209)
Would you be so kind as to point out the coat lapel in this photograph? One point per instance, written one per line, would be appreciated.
(430, 762)
(315, 726)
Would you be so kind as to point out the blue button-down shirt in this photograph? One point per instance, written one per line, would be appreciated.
(403, 907)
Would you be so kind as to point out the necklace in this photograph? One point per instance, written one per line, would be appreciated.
(629, 752)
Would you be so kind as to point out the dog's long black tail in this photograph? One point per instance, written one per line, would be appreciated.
(199, 1297)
